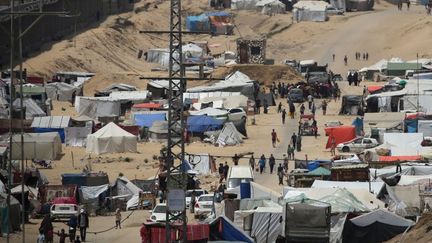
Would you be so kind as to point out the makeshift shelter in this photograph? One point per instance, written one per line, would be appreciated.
(51, 124)
(147, 120)
(227, 102)
(91, 196)
(385, 102)
(85, 179)
(377, 226)
(220, 23)
(425, 127)
(341, 134)
(229, 135)
(351, 105)
(265, 224)
(211, 112)
(160, 56)
(95, 107)
(203, 123)
(222, 229)
(111, 139)
(159, 88)
(266, 98)
(399, 68)
(251, 51)
(270, 7)
(115, 87)
(359, 5)
(374, 187)
(61, 91)
(127, 96)
(39, 146)
(244, 4)
(32, 109)
(315, 11)
(343, 201)
(77, 136)
(200, 23)
(376, 123)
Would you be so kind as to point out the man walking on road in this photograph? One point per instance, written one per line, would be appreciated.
(280, 173)
(274, 138)
(262, 163)
(252, 162)
(283, 116)
(272, 162)
(324, 107)
(294, 140)
(346, 60)
(310, 100)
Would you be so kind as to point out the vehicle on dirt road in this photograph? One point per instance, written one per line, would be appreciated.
(357, 145)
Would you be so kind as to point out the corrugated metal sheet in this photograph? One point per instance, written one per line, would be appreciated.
(51, 122)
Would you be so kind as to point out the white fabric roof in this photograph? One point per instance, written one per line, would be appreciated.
(51, 121)
(402, 144)
(413, 179)
(203, 95)
(111, 139)
(229, 135)
(388, 94)
(32, 108)
(262, 3)
(312, 5)
(379, 66)
(375, 186)
(129, 95)
(209, 111)
(381, 216)
(237, 79)
(163, 84)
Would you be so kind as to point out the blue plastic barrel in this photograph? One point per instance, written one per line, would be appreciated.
(245, 190)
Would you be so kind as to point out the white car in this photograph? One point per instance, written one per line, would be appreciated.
(204, 204)
(63, 211)
(333, 124)
(357, 145)
(236, 114)
(198, 192)
(158, 214)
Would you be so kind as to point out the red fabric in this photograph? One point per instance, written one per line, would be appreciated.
(373, 88)
(35, 80)
(64, 200)
(399, 158)
(147, 105)
(157, 232)
(341, 134)
(414, 115)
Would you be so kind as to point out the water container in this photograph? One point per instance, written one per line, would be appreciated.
(245, 190)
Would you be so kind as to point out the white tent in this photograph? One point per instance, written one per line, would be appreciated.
(382, 216)
(243, 4)
(229, 135)
(310, 11)
(40, 146)
(375, 187)
(160, 56)
(209, 111)
(111, 139)
(95, 107)
(192, 50)
(270, 7)
(404, 144)
(61, 91)
(51, 122)
(77, 136)
(32, 109)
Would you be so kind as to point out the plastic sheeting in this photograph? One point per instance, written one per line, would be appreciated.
(266, 225)
(32, 108)
(92, 192)
(201, 124)
(381, 216)
(229, 136)
(146, 120)
(402, 144)
(97, 107)
(61, 91)
(342, 201)
(77, 136)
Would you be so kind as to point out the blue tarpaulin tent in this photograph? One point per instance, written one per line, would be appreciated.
(203, 123)
(146, 120)
(411, 125)
(198, 23)
(60, 131)
(222, 229)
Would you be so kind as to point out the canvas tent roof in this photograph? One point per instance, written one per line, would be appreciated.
(414, 179)
(111, 139)
(375, 186)
(163, 84)
(137, 95)
(381, 216)
(343, 201)
(202, 95)
(228, 102)
(379, 66)
(222, 228)
(147, 120)
(32, 108)
(202, 123)
(382, 120)
(60, 91)
(229, 135)
(209, 111)
(402, 144)
(119, 87)
(41, 146)
(95, 107)
(51, 122)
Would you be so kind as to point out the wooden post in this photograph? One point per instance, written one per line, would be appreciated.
(73, 162)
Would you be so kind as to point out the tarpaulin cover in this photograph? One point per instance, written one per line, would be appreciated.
(146, 120)
(399, 158)
(223, 229)
(266, 226)
(341, 134)
(60, 131)
(203, 123)
(76, 136)
(147, 105)
(411, 126)
(198, 23)
(229, 135)
(343, 201)
(373, 88)
(92, 192)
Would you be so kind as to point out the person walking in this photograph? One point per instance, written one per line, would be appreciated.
(315, 128)
(289, 151)
(226, 169)
(313, 109)
(283, 116)
(118, 218)
(72, 223)
(291, 110)
(83, 224)
(279, 110)
(302, 109)
(252, 162)
(62, 236)
(272, 162)
(274, 138)
(285, 162)
(236, 159)
(299, 143)
(367, 56)
(262, 163)
(346, 60)
(46, 227)
(221, 172)
(310, 100)
(193, 201)
(294, 140)
(334, 57)
(280, 173)
(408, 4)
(333, 146)
(324, 107)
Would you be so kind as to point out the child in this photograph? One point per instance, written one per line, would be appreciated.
(50, 236)
(77, 240)
(118, 218)
(41, 237)
(62, 235)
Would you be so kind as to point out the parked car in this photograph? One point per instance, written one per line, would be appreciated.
(357, 145)
(337, 77)
(204, 204)
(237, 114)
(334, 11)
(158, 214)
(63, 211)
(333, 124)
(290, 62)
(198, 192)
(296, 95)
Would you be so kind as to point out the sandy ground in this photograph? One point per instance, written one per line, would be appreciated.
(383, 33)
